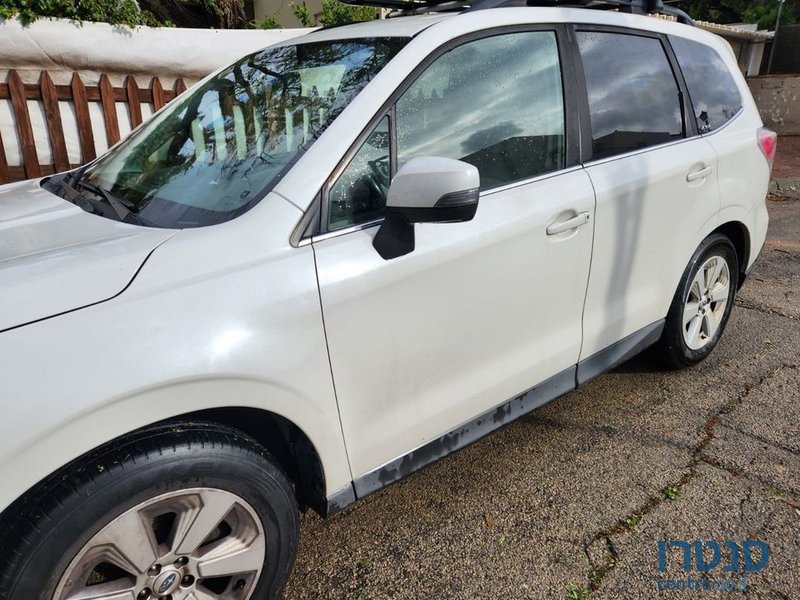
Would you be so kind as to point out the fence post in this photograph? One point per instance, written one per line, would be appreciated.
(109, 110)
(85, 133)
(55, 129)
(5, 175)
(27, 142)
(134, 108)
(159, 98)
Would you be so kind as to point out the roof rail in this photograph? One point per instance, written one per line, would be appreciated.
(415, 7)
(636, 7)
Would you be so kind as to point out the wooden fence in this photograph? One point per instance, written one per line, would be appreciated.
(79, 95)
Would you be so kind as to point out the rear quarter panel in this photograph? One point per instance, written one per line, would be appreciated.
(743, 173)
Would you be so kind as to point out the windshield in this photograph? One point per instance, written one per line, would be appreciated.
(221, 147)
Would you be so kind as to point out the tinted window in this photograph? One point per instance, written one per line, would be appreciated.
(634, 99)
(715, 97)
(495, 103)
(212, 154)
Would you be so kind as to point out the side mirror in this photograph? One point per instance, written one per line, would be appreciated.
(426, 190)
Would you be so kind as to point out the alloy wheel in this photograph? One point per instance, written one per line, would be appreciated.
(191, 544)
(705, 303)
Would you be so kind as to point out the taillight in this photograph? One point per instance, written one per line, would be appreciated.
(768, 142)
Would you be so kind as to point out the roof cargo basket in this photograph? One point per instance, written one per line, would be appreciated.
(414, 7)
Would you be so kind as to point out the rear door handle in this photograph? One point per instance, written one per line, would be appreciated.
(573, 223)
(700, 173)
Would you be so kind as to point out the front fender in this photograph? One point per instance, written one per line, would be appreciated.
(58, 441)
(202, 326)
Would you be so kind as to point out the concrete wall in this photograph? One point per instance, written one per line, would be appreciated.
(778, 100)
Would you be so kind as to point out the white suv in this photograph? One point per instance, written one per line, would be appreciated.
(341, 259)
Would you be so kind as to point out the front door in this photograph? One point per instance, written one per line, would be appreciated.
(480, 311)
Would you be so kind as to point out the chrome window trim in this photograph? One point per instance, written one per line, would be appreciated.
(608, 159)
(530, 180)
(484, 193)
(343, 231)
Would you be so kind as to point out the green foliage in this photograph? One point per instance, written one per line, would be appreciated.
(773, 493)
(269, 22)
(595, 578)
(762, 12)
(671, 492)
(123, 12)
(155, 13)
(303, 14)
(633, 520)
(335, 12)
(766, 14)
(575, 592)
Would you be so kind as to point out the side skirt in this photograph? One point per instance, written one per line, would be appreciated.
(466, 433)
(619, 352)
(476, 428)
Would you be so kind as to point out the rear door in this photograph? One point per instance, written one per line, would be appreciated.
(480, 311)
(654, 179)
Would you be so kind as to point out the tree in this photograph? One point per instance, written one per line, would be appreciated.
(762, 12)
(183, 13)
(221, 14)
(334, 12)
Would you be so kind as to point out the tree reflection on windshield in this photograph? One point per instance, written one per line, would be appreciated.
(213, 154)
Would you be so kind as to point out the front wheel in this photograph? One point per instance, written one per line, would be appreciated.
(186, 512)
(701, 305)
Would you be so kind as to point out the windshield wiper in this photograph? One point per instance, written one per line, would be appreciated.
(122, 208)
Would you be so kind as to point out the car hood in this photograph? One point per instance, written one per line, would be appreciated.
(55, 257)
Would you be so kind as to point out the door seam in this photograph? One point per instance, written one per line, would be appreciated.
(589, 276)
(330, 364)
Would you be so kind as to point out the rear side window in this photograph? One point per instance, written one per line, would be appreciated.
(713, 91)
(634, 99)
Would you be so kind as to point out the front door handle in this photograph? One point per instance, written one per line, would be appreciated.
(573, 223)
(700, 173)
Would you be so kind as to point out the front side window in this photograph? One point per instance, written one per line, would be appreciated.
(634, 99)
(496, 103)
(715, 97)
(213, 154)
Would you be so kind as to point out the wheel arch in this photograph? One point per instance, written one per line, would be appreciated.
(53, 427)
(284, 440)
(738, 234)
(288, 444)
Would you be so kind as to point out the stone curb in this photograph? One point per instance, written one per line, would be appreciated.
(788, 184)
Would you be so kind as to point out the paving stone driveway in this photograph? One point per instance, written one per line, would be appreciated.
(577, 494)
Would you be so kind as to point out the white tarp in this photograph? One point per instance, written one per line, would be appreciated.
(60, 44)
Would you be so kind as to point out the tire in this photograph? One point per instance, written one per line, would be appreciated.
(85, 526)
(678, 347)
